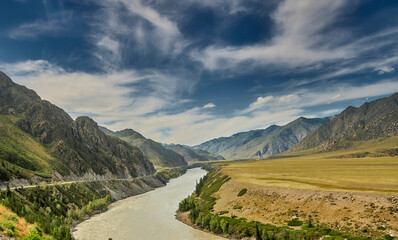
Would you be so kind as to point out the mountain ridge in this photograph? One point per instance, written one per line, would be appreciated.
(371, 120)
(156, 152)
(262, 143)
(194, 155)
(39, 139)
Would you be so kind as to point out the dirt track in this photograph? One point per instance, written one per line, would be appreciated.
(359, 213)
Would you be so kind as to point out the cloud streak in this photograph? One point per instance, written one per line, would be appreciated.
(56, 23)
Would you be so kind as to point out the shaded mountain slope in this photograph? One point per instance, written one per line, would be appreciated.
(156, 153)
(194, 155)
(372, 120)
(40, 139)
(263, 142)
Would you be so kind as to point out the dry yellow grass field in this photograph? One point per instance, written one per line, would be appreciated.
(335, 171)
(358, 195)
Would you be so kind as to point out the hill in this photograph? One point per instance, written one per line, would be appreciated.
(39, 140)
(194, 155)
(263, 142)
(376, 119)
(156, 153)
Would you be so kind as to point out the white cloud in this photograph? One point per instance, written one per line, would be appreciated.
(385, 69)
(56, 23)
(336, 96)
(209, 105)
(288, 98)
(113, 24)
(109, 44)
(261, 102)
(299, 25)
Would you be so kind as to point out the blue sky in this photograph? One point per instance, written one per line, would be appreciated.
(188, 71)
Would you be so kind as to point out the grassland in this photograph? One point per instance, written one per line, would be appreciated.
(354, 191)
(356, 169)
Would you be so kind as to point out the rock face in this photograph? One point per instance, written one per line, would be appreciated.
(372, 120)
(264, 142)
(194, 155)
(78, 147)
(156, 153)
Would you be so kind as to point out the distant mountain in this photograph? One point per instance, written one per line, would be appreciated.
(372, 120)
(39, 139)
(156, 153)
(263, 142)
(193, 155)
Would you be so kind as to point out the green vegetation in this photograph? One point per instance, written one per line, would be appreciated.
(200, 206)
(295, 222)
(242, 192)
(54, 208)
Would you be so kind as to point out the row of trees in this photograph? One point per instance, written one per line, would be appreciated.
(51, 209)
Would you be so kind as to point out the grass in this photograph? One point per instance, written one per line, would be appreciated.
(325, 171)
(21, 151)
(13, 226)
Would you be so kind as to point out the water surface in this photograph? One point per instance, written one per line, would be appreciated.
(147, 216)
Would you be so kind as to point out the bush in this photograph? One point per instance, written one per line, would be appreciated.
(242, 192)
(295, 222)
(34, 236)
(388, 237)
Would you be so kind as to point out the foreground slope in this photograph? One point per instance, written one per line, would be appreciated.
(39, 139)
(372, 120)
(156, 153)
(194, 155)
(264, 142)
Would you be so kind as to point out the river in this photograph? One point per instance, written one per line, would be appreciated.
(147, 216)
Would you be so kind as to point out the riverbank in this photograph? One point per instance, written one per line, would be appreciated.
(56, 208)
(238, 210)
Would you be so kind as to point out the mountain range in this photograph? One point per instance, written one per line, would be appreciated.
(156, 153)
(40, 140)
(263, 142)
(194, 155)
(372, 120)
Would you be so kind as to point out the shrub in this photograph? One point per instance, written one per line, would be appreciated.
(295, 222)
(388, 237)
(242, 192)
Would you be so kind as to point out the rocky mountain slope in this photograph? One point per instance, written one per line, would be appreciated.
(372, 120)
(156, 153)
(39, 139)
(194, 155)
(263, 142)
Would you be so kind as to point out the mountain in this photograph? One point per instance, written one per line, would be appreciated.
(193, 155)
(263, 142)
(376, 119)
(39, 139)
(156, 153)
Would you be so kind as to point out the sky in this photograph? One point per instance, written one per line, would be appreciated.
(189, 71)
